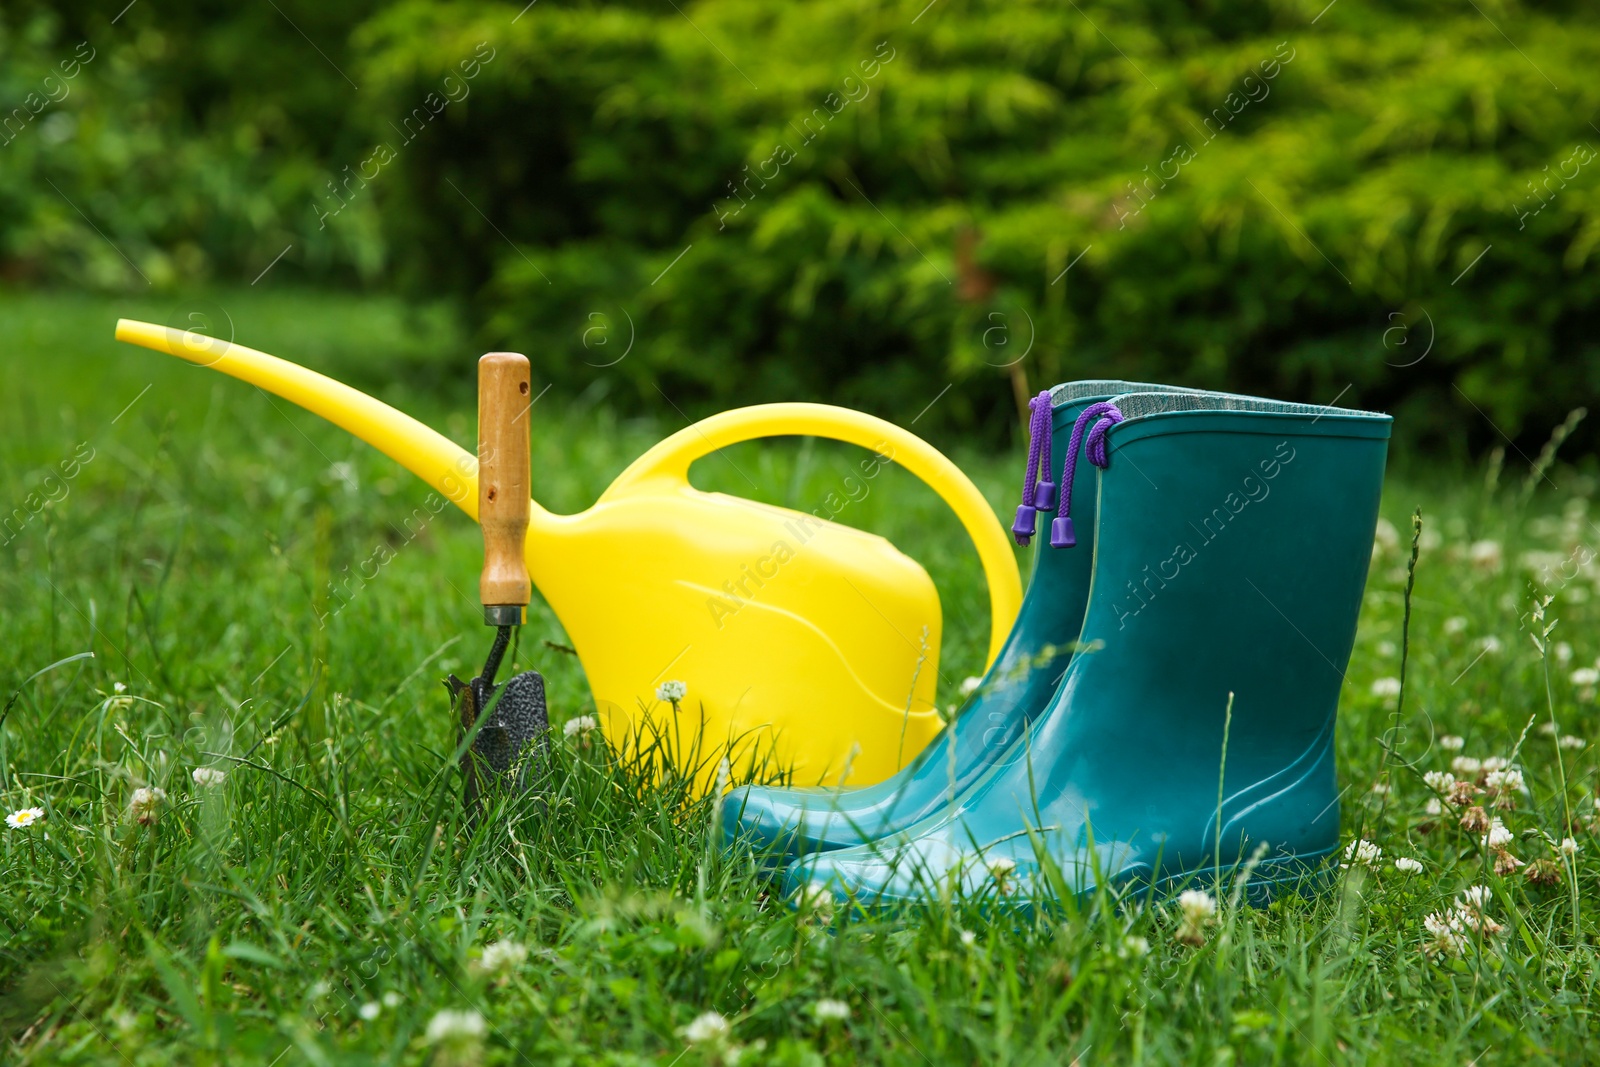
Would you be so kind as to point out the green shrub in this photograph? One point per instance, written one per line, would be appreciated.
(1263, 197)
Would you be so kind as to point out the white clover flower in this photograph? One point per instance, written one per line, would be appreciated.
(707, 1028)
(1386, 649)
(1407, 865)
(826, 1011)
(1563, 652)
(1452, 743)
(582, 724)
(1466, 766)
(450, 1027)
(1445, 936)
(671, 691)
(1385, 537)
(1133, 947)
(969, 684)
(1498, 836)
(392, 999)
(1486, 555)
(1196, 909)
(1001, 871)
(370, 1010)
(1571, 742)
(816, 900)
(968, 938)
(1386, 687)
(118, 688)
(1197, 906)
(1433, 807)
(1569, 847)
(1455, 624)
(1585, 676)
(1471, 911)
(1380, 789)
(1496, 763)
(1490, 644)
(208, 776)
(144, 802)
(1362, 853)
(1440, 781)
(1506, 781)
(500, 957)
(23, 818)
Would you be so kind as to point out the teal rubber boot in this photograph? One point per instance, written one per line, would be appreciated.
(1230, 553)
(782, 823)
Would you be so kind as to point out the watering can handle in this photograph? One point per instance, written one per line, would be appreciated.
(670, 460)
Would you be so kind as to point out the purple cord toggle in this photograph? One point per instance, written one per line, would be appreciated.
(1105, 415)
(1038, 491)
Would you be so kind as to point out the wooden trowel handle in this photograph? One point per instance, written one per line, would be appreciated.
(504, 397)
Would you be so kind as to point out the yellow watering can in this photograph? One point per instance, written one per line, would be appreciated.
(809, 643)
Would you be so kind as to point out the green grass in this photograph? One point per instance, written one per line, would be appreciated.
(251, 922)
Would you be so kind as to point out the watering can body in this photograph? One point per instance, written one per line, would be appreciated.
(803, 644)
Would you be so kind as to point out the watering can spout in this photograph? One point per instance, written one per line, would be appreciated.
(420, 449)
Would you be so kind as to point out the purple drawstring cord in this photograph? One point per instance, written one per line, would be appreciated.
(1107, 416)
(1038, 491)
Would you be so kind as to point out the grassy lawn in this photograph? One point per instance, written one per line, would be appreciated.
(324, 902)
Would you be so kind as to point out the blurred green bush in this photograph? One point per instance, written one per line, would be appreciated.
(1390, 204)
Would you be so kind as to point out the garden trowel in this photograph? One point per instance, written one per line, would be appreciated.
(511, 745)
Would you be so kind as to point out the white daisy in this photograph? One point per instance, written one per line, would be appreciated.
(23, 818)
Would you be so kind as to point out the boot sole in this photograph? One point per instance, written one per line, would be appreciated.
(1306, 875)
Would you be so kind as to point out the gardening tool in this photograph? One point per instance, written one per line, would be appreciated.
(1230, 551)
(781, 823)
(799, 640)
(516, 730)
